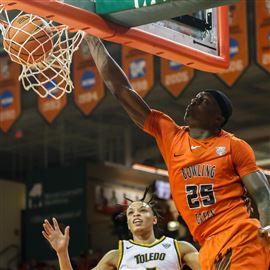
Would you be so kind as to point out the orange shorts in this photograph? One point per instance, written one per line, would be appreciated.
(236, 248)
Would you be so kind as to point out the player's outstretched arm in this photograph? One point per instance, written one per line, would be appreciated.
(189, 255)
(58, 241)
(109, 261)
(117, 82)
(257, 185)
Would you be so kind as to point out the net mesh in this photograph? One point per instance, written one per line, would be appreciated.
(49, 74)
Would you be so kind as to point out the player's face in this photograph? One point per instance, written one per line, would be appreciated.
(203, 112)
(140, 217)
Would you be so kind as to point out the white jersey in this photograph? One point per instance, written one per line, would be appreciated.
(163, 254)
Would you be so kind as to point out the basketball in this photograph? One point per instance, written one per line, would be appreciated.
(27, 41)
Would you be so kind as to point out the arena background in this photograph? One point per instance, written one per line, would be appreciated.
(64, 166)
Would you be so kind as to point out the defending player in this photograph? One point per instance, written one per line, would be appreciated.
(209, 170)
(141, 253)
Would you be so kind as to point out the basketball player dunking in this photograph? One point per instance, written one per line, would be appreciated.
(209, 170)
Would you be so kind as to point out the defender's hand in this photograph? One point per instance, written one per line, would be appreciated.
(55, 237)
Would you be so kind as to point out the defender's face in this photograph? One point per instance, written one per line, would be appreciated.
(202, 111)
(140, 217)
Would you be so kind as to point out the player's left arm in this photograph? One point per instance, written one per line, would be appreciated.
(255, 182)
(257, 186)
(189, 255)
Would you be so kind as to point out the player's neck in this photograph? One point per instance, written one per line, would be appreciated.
(145, 238)
(198, 133)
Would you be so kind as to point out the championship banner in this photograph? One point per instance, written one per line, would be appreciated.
(139, 68)
(10, 93)
(239, 58)
(262, 8)
(50, 107)
(88, 85)
(175, 77)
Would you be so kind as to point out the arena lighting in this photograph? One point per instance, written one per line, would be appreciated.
(149, 169)
(173, 226)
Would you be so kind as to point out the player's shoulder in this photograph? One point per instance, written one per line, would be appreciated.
(238, 142)
(225, 134)
(186, 247)
(233, 138)
(167, 238)
(112, 256)
(158, 115)
(112, 253)
(109, 261)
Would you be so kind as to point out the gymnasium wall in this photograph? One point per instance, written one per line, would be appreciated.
(12, 202)
(55, 192)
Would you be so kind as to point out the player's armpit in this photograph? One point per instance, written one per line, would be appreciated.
(109, 261)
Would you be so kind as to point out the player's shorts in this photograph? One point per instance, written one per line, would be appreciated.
(236, 248)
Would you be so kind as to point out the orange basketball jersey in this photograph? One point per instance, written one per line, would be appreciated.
(204, 175)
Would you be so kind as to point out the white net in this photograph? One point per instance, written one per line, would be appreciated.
(44, 50)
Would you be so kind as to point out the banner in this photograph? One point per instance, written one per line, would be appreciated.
(175, 77)
(59, 193)
(88, 85)
(10, 93)
(238, 43)
(139, 68)
(263, 33)
(49, 107)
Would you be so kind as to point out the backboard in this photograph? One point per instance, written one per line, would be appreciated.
(198, 40)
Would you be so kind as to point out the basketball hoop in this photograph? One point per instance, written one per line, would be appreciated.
(46, 64)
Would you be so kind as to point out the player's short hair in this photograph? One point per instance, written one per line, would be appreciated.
(223, 102)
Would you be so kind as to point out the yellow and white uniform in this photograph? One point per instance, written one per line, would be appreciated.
(163, 254)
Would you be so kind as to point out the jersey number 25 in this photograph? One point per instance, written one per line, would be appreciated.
(200, 195)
